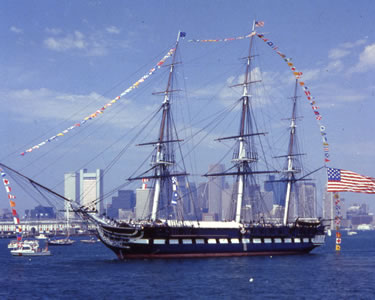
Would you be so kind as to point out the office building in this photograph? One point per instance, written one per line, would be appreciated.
(125, 200)
(215, 187)
(306, 200)
(91, 190)
(143, 204)
(71, 192)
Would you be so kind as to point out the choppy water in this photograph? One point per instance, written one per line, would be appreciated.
(91, 271)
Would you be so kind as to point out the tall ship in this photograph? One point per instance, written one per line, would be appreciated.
(247, 230)
(165, 233)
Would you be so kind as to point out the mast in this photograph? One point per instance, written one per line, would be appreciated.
(242, 159)
(245, 155)
(290, 167)
(161, 161)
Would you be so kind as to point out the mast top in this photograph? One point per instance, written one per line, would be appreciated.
(180, 34)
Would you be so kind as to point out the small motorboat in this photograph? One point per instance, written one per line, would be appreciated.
(27, 249)
(41, 236)
(89, 241)
(60, 242)
(14, 243)
(352, 232)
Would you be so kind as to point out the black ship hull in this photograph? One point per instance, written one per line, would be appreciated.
(185, 241)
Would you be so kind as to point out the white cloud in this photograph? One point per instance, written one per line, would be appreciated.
(16, 29)
(261, 92)
(44, 104)
(349, 45)
(338, 53)
(312, 74)
(70, 41)
(366, 60)
(93, 44)
(113, 30)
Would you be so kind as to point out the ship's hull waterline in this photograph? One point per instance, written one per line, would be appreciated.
(188, 242)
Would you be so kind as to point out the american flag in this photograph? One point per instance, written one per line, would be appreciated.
(348, 181)
(259, 23)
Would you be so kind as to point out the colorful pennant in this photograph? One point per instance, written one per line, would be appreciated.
(105, 106)
(307, 93)
(338, 218)
(16, 218)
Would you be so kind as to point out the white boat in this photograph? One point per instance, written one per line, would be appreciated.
(14, 243)
(66, 241)
(41, 236)
(21, 247)
(89, 241)
(352, 232)
(60, 242)
(27, 249)
(365, 227)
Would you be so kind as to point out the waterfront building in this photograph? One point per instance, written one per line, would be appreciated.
(358, 214)
(40, 213)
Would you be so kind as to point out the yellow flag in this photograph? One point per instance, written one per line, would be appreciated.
(338, 247)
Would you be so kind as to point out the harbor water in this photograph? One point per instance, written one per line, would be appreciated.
(91, 271)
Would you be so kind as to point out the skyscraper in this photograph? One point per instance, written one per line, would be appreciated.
(125, 201)
(328, 209)
(202, 197)
(143, 203)
(307, 200)
(278, 188)
(215, 187)
(71, 191)
(227, 203)
(91, 190)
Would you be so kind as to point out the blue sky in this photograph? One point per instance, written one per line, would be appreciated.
(62, 60)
